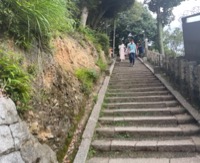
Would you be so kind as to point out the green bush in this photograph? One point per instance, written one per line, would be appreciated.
(35, 20)
(15, 81)
(88, 78)
(88, 33)
(100, 40)
(101, 64)
(103, 40)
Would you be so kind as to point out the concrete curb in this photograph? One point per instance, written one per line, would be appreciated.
(87, 136)
(177, 95)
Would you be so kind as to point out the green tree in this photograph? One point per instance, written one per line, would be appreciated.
(173, 41)
(107, 9)
(163, 9)
(137, 21)
(86, 6)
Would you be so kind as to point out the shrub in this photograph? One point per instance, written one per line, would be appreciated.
(101, 64)
(87, 77)
(100, 40)
(103, 40)
(88, 33)
(15, 81)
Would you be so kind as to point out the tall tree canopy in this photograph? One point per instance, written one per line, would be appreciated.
(93, 11)
(137, 21)
(163, 9)
(173, 40)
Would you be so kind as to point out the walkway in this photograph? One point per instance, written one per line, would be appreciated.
(141, 122)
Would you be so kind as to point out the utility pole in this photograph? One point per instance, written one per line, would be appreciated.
(114, 31)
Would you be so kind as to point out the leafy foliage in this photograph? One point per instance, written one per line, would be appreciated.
(35, 20)
(100, 40)
(15, 81)
(103, 40)
(87, 77)
(173, 41)
(102, 65)
(99, 10)
(137, 21)
(163, 9)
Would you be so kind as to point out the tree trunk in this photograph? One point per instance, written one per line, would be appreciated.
(84, 16)
(97, 19)
(160, 32)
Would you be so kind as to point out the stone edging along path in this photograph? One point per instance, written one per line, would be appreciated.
(87, 136)
(177, 95)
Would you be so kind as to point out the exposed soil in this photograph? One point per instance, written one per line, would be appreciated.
(58, 103)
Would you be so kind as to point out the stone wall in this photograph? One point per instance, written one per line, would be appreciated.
(17, 145)
(183, 73)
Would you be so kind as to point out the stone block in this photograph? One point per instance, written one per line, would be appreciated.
(6, 140)
(118, 145)
(14, 157)
(102, 145)
(196, 141)
(146, 145)
(20, 133)
(82, 151)
(32, 151)
(185, 160)
(8, 112)
(142, 160)
(98, 160)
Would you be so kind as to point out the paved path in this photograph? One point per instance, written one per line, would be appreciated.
(141, 122)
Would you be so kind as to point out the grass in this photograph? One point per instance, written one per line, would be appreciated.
(91, 152)
(95, 99)
(14, 80)
(102, 65)
(88, 78)
(27, 21)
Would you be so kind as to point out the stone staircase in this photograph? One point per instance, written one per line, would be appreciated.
(141, 122)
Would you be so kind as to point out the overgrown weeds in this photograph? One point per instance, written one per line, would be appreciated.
(15, 81)
(100, 40)
(102, 65)
(88, 78)
(26, 21)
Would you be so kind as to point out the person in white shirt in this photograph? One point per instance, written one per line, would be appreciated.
(122, 49)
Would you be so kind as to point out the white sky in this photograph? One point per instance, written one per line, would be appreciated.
(187, 7)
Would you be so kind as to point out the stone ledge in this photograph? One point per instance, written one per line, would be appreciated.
(81, 155)
(177, 95)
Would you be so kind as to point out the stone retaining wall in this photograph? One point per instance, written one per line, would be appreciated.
(17, 145)
(183, 73)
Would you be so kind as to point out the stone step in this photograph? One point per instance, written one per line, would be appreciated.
(142, 111)
(139, 99)
(135, 76)
(116, 80)
(137, 94)
(131, 78)
(147, 120)
(142, 120)
(145, 160)
(142, 105)
(148, 89)
(156, 81)
(182, 145)
(184, 130)
(135, 86)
